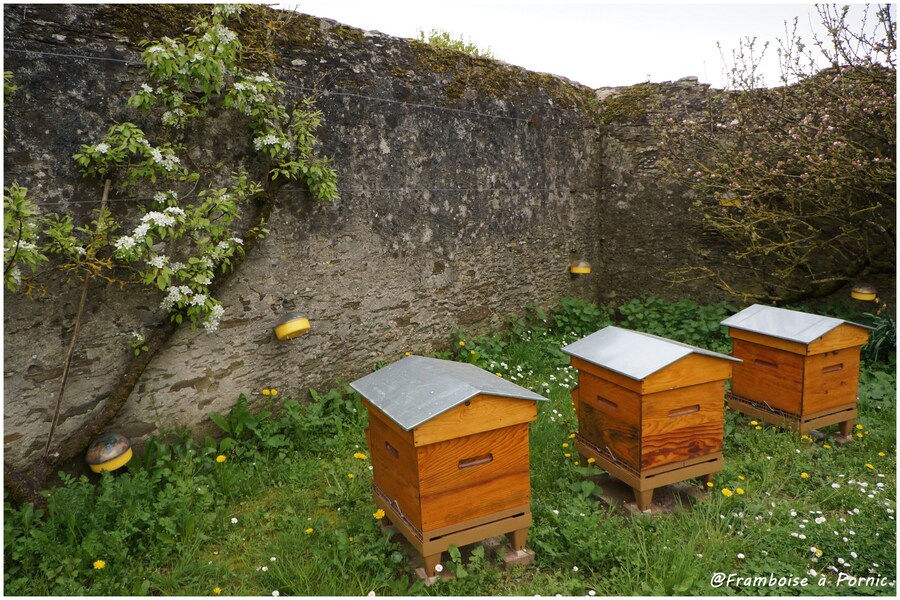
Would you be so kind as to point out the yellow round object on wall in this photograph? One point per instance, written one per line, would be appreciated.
(292, 326)
(109, 452)
(580, 267)
(863, 292)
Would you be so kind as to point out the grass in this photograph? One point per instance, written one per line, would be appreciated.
(282, 503)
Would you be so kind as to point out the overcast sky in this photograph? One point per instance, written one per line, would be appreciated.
(594, 43)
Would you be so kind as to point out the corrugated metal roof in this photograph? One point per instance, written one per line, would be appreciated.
(416, 389)
(631, 353)
(785, 324)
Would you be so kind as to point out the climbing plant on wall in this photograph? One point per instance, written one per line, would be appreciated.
(190, 234)
(798, 180)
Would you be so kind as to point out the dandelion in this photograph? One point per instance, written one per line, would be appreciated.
(726, 492)
(592, 593)
(234, 520)
(740, 555)
(565, 445)
(758, 427)
(568, 455)
(754, 422)
(575, 569)
(591, 460)
(378, 514)
(869, 466)
(826, 446)
(804, 475)
(217, 590)
(710, 484)
(221, 458)
(276, 593)
(859, 427)
(274, 392)
(859, 435)
(438, 568)
(405, 354)
(267, 392)
(99, 564)
(835, 485)
(360, 456)
(371, 594)
(740, 491)
(881, 454)
(462, 342)
(273, 559)
(741, 477)
(498, 374)
(308, 531)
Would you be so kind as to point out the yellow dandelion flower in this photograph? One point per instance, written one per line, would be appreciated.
(221, 458)
(741, 477)
(869, 466)
(406, 354)
(818, 552)
(360, 456)
(565, 445)
(217, 590)
(710, 484)
(351, 475)
(804, 475)
(726, 492)
(740, 491)
(577, 463)
(568, 455)
(859, 435)
(826, 446)
(378, 514)
(350, 539)
(267, 392)
(859, 427)
(498, 374)
(882, 454)
(591, 460)
(462, 342)
(472, 352)
(274, 392)
(758, 427)
(754, 422)
(308, 530)
(571, 436)
(99, 564)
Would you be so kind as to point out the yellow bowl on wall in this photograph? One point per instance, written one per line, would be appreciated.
(580, 267)
(293, 325)
(863, 291)
(109, 452)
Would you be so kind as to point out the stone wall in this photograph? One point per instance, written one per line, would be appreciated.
(467, 187)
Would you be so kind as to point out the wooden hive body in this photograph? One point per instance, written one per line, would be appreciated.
(650, 411)
(674, 415)
(799, 379)
(467, 463)
(806, 376)
(449, 448)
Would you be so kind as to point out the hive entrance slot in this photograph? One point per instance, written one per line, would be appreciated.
(607, 403)
(391, 450)
(833, 368)
(768, 364)
(475, 461)
(686, 410)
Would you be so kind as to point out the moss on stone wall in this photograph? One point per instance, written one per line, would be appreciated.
(629, 104)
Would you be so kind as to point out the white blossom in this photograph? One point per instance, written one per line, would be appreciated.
(147, 88)
(158, 261)
(126, 242)
(102, 148)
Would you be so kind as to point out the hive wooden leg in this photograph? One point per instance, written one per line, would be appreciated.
(846, 427)
(643, 498)
(430, 562)
(518, 538)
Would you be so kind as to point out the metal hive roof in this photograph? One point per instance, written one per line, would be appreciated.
(416, 389)
(785, 324)
(631, 353)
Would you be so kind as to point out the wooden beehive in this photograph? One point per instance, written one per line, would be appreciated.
(449, 449)
(650, 410)
(798, 369)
